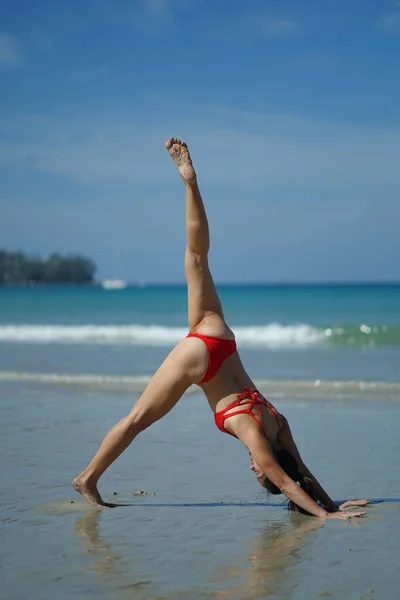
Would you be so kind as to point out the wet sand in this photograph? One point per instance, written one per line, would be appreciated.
(203, 528)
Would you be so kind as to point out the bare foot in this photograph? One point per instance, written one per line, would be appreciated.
(90, 493)
(179, 153)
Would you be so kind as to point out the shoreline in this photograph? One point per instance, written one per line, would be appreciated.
(317, 389)
(209, 530)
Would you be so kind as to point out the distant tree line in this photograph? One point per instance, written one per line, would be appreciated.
(18, 268)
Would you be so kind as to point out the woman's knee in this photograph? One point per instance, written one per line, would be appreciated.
(138, 420)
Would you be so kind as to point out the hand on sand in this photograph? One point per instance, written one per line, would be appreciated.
(344, 516)
(353, 503)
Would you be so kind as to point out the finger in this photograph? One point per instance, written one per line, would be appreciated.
(355, 503)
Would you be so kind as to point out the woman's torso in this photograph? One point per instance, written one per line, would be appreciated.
(230, 381)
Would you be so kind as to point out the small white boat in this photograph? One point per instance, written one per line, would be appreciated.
(114, 284)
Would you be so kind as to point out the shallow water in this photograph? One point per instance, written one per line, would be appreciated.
(283, 332)
(367, 364)
(151, 549)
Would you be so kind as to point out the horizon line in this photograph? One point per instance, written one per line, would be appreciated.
(138, 284)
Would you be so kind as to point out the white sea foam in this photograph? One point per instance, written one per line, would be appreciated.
(276, 335)
(309, 390)
(271, 335)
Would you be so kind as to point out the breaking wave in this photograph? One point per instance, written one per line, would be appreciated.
(272, 335)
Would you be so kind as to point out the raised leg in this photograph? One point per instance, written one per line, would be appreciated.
(204, 307)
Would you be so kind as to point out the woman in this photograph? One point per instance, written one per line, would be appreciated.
(208, 357)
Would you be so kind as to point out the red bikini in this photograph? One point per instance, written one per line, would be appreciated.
(249, 398)
(218, 351)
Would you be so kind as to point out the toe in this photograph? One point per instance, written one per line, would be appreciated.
(169, 143)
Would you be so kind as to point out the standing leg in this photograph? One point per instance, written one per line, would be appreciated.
(204, 307)
(176, 374)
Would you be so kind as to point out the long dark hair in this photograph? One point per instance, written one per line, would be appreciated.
(289, 464)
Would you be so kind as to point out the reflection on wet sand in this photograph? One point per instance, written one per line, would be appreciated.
(109, 563)
(87, 528)
(272, 553)
(264, 571)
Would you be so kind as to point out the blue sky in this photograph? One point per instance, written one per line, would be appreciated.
(291, 110)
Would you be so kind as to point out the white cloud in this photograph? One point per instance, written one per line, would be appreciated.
(260, 25)
(255, 152)
(82, 75)
(390, 22)
(157, 8)
(155, 11)
(9, 50)
(288, 185)
(276, 28)
(152, 16)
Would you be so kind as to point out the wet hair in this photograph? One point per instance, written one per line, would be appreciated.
(289, 464)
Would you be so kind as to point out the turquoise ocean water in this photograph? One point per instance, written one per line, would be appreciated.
(285, 333)
(194, 523)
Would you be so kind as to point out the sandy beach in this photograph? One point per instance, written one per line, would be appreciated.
(268, 226)
(194, 523)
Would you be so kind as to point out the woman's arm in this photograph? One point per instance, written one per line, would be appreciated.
(260, 450)
(321, 494)
(287, 442)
